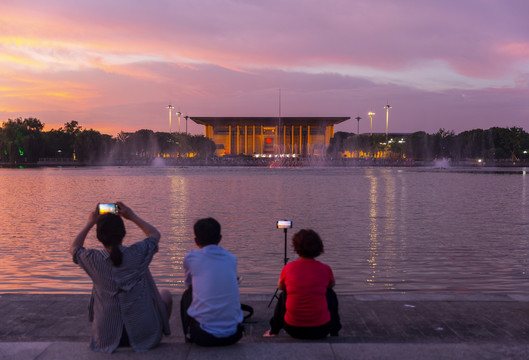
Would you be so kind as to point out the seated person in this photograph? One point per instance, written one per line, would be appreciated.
(210, 307)
(126, 308)
(307, 307)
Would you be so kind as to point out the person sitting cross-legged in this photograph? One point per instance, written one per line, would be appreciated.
(307, 307)
(126, 308)
(210, 307)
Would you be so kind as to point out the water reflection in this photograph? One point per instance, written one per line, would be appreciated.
(384, 229)
(382, 197)
(389, 226)
(373, 227)
(524, 195)
(179, 209)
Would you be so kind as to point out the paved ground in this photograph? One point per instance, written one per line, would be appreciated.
(374, 327)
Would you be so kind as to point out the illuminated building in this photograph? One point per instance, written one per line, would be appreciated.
(302, 136)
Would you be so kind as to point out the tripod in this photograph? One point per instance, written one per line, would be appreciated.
(285, 261)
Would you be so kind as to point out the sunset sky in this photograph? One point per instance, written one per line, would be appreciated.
(116, 65)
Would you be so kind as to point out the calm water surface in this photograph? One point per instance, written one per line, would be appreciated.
(384, 229)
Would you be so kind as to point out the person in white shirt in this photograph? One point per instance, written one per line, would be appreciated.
(210, 307)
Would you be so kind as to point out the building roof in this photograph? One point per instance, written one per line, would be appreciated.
(269, 121)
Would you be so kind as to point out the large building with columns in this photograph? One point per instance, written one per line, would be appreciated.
(302, 136)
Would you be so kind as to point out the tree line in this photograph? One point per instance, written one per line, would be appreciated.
(494, 144)
(23, 141)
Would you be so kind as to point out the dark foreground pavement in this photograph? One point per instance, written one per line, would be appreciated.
(374, 327)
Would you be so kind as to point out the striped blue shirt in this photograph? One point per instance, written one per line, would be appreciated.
(124, 297)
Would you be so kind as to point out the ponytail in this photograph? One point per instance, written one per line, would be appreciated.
(116, 256)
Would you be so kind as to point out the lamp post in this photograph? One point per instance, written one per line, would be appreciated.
(358, 118)
(371, 114)
(387, 107)
(178, 113)
(170, 107)
(186, 117)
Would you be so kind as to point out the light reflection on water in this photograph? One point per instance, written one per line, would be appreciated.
(384, 229)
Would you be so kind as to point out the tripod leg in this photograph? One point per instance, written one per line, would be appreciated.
(273, 297)
(285, 261)
(277, 322)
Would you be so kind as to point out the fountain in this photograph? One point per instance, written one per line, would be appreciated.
(158, 162)
(443, 163)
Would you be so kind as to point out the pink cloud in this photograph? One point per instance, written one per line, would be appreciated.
(388, 35)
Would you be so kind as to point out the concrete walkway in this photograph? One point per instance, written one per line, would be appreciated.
(374, 327)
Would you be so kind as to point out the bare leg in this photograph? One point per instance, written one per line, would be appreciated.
(332, 303)
(185, 303)
(277, 321)
(167, 298)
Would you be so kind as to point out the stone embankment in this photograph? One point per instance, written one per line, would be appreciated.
(374, 327)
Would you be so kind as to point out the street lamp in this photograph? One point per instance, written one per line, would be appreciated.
(358, 118)
(170, 107)
(371, 114)
(178, 113)
(387, 107)
(186, 117)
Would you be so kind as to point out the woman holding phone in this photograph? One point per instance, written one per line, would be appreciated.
(126, 308)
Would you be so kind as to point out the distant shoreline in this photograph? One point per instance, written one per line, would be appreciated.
(271, 163)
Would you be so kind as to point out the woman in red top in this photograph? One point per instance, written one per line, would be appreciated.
(310, 311)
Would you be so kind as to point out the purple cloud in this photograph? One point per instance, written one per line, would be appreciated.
(451, 64)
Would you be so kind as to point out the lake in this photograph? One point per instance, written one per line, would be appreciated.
(398, 230)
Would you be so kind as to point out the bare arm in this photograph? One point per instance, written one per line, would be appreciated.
(80, 238)
(147, 228)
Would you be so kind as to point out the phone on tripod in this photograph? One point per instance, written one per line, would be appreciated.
(284, 224)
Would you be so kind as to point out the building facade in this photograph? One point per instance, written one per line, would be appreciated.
(302, 136)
